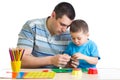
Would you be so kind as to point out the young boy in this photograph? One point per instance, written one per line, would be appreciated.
(82, 48)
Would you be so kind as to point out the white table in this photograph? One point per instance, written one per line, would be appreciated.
(103, 74)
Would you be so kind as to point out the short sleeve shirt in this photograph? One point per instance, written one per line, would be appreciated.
(89, 49)
(35, 35)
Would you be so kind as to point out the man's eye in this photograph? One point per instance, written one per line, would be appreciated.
(63, 24)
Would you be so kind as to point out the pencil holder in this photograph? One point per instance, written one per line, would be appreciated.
(16, 66)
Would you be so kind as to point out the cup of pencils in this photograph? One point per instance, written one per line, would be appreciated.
(16, 56)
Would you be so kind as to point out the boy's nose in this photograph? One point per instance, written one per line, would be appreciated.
(76, 40)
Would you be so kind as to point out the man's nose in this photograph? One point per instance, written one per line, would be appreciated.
(64, 29)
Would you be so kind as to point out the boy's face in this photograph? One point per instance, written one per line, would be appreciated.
(60, 25)
(79, 37)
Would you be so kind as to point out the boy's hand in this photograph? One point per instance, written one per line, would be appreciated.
(73, 63)
(78, 56)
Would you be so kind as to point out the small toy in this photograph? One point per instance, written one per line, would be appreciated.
(45, 70)
(37, 75)
(14, 75)
(34, 75)
(84, 70)
(77, 72)
(62, 70)
(92, 71)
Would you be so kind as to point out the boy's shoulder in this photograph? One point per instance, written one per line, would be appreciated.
(91, 41)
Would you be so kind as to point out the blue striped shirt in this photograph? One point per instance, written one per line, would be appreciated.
(35, 35)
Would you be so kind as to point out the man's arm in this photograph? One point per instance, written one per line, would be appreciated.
(29, 61)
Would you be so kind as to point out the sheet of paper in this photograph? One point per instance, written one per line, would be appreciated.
(6, 73)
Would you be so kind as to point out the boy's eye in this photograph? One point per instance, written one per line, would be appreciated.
(79, 38)
(73, 38)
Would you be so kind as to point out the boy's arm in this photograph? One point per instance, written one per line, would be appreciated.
(89, 59)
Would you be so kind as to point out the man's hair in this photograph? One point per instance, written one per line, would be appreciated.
(64, 8)
(79, 25)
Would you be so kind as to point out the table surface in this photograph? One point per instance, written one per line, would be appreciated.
(103, 74)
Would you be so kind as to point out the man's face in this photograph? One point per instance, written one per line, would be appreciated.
(60, 25)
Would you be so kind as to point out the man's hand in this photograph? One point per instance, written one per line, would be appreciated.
(60, 59)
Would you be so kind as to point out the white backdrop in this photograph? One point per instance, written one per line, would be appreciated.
(102, 16)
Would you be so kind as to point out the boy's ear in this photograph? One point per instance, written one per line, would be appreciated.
(87, 34)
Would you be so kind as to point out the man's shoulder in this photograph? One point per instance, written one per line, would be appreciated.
(36, 21)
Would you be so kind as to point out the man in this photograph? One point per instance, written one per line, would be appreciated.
(45, 39)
